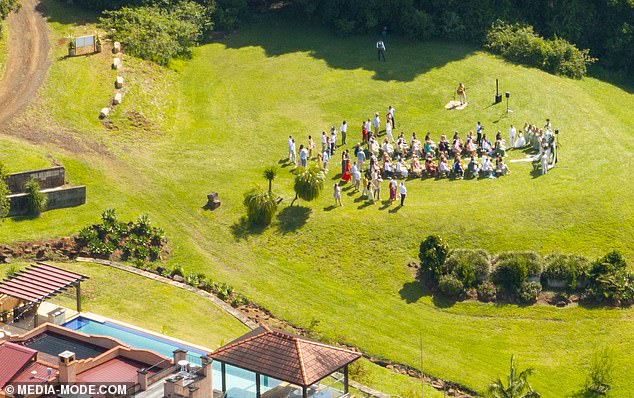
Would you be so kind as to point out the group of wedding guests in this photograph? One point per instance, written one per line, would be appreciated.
(382, 156)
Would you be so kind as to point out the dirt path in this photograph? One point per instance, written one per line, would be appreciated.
(27, 62)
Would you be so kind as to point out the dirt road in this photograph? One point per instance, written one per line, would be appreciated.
(27, 62)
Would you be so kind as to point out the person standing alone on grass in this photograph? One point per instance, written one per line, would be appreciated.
(344, 131)
(380, 47)
(403, 190)
(337, 194)
(512, 133)
(391, 110)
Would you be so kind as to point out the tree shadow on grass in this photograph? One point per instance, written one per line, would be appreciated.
(292, 218)
(279, 34)
(412, 291)
(242, 229)
(59, 11)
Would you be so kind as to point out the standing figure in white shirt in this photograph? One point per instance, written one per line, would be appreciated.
(391, 110)
(344, 131)
(377, 124)
(380, 47)
(512, 134)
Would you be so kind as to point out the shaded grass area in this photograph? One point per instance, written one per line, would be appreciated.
(230, 111)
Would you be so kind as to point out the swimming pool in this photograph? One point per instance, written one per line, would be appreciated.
(133, 338)
(240, 382)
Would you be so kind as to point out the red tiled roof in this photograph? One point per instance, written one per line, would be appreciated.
(118, 370)
(283, 356)
(13, 358)
(40, 377)
(39, 282)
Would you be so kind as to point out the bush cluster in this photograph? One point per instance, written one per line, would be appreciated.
(519, 275)
(569, 269)
(201, 281)
(519, 43)
(156, 33)
(136, 241)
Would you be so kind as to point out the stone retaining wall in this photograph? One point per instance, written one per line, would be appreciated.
(48, 178)
(57, 198)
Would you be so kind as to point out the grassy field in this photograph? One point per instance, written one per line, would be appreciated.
(220, 118)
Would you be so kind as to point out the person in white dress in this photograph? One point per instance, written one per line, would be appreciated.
(520, 142)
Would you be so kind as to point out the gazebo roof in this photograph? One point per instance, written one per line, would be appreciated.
(39, 282)
(283, 356)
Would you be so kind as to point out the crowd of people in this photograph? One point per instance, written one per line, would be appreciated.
(380, 156)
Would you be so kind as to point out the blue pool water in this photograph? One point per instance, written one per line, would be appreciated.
(240, 382)
(131, 337)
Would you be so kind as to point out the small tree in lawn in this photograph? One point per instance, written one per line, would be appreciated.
(5, 202)
(308, 184)
(261, 207)
(270, 173)
(517, 385)
(433, 253)
(601, 372)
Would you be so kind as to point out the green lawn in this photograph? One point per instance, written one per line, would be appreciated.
(223, 116)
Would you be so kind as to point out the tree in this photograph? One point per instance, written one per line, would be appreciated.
(308, 184)
(517, 385)
(432, 255)
(5, 202)
(36, 200)
(8, 6)
(261, 207)
(270, 173)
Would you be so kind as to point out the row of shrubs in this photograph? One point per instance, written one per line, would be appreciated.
(133, 241)
(519, 43)
(201, 281)
(519, 276)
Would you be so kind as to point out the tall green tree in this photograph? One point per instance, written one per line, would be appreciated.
(308, 184)
(517, 385)
(5, 202)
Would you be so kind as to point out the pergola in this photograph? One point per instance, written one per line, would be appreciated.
(283, 356)
(37, 283)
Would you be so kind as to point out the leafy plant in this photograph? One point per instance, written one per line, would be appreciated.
(178, 271)
(568, 268)
(158, 34)
(5, 202)
(36, 200)
(517, 385)
(100, 249)
(261, 207)
(109, 217)
(143, 226)
(270, 173)
(601, 372)
(154, 253)
(308, 184)
(469, 266)
(12, 271)
(432, 254)
(529, 292)
(86, 235)
(450, 287)
(486, 291)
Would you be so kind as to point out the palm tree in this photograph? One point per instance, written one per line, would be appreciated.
(261, 207)
(517, 387)
(308, 184)
(270, 173)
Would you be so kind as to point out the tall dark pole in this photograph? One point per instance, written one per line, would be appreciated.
(78, 293)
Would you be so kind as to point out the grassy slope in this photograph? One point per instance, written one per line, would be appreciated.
(232, 108)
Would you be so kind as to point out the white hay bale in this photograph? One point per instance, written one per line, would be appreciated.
(116, 48)
(104, 113)
(117, 99)
(119, 82)
(116, 63)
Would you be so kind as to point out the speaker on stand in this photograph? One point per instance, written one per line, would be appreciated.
(498, 96)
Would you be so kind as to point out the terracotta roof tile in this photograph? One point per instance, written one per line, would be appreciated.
(13, 358)
(283, 356)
